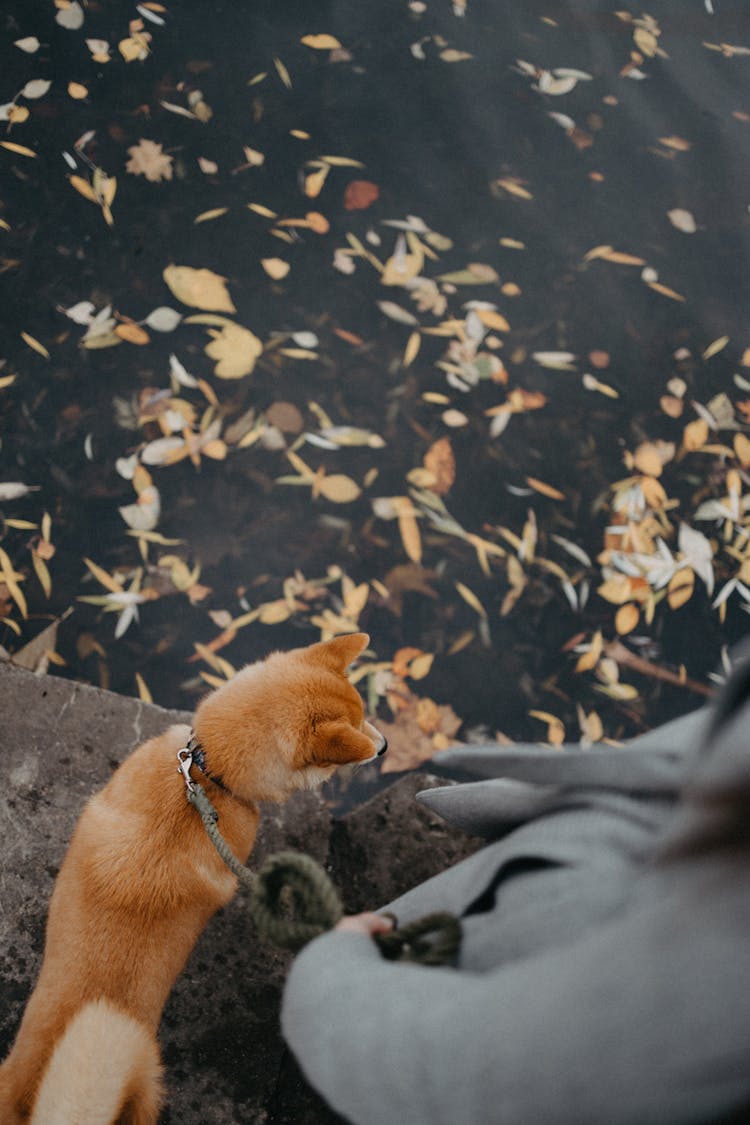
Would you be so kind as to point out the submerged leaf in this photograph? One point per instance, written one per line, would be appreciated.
(199, 288)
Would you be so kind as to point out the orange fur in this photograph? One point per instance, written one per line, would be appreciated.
(141, 879)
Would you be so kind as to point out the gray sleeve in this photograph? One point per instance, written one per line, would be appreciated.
(639, 1023)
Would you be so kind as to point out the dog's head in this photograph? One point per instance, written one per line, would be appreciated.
(288, 721)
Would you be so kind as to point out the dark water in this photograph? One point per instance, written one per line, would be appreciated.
(439, 138)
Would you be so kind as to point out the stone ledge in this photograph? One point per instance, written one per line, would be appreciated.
(225, 1061)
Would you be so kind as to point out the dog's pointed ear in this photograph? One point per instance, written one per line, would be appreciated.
(338, 653)
(337, 742)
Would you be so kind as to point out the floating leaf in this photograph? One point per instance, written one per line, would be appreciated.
(34, 344)
(320, 42)
(199, 288)
(77, 91)
(30, 45)
(236, 349)
(36, 88)
(683, 220)
(716, 347)
(147, 158)
(132, 333)
(21, 150)
(395, 312)
(627, 618)
(339, 488)
(163, 319)
(360, 194)
(69, 15)
(545, 489)
(276, 268)
(214, 213)
(471, 599)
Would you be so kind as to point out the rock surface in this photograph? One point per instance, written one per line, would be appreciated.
(225, 1061)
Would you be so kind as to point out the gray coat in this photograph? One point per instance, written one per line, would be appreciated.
(596, 985)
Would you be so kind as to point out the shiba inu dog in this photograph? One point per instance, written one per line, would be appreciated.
(141, 880)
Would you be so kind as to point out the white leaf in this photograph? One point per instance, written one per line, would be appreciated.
(563, 121)
(149, 15)
(571, 72)
(712, 510)
(82, 313)
(724, 593)
(573, 549)
(36, 88)
(560, 361)
(555, 86)
(159, 451)
(14, 490)
(30, 44)
(305, 339)
(683, 220)
(395, 312)
(163, 319)
(70, 17)
(126, 618)
(178, 109)
(698, 553)
(144, 514)
(98, 46)
(178, 372)
(126, 466)
(5, 110)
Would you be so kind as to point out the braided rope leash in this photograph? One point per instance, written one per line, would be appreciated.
(292, 900)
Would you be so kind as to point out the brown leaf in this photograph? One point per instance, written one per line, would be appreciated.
(360, 194)
(439, 460)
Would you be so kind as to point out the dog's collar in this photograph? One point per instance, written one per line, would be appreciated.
(193, 754)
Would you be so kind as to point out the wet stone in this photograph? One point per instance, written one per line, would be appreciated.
(225, 1061)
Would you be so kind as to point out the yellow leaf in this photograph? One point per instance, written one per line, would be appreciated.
(77, 91)
(411, 350)
(665, 292)
(471, 599)
(283, 73)
(545, 489)
(133, 333)
(715, 347)
(742, 450)
(339, 488)
(7, 381)
(695, 435)
(22, 150)
(276, 268)
(273, 613)
(409, 529)
(17, 114)
(589, 659)
(205, 216)
(320, 42)
(216, 449)
(514, 188)
(680, 589)
(143, 691)
(259, 209)
(199, 288)
(101, 576)
(34, 344)
(235, 348)
(42, 573)
(627, 618)
(493, 320)
(421, 665)
(9, 578)
(314, 182)
(647, 460)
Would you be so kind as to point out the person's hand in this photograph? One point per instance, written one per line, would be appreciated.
(367, 923)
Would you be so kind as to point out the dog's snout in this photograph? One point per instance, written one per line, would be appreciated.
(383, 748)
